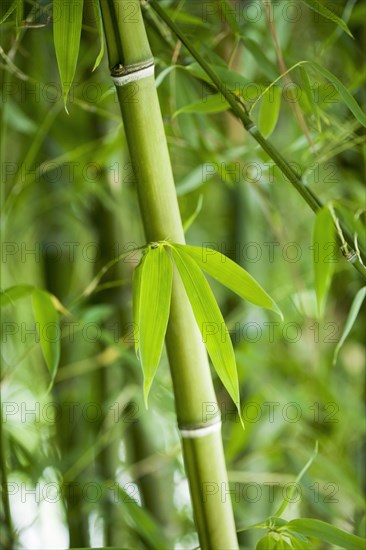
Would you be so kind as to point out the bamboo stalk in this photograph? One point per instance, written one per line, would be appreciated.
(9, 534)
(202, 450)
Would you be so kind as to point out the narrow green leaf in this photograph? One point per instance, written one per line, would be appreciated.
(136, 290)
(153, 307)
(327, 533)
(269, 111)
(230, 275)
(47, 319)
(263, 63)
(328, 14)
(306, 85)
(347, 97)
(352, 316)
(99, 24)
(13, 293)
(212, 104)
(300, 544)
(5, 13)
(209, 320)
(323, 248)
(67, 21)
(268, 542)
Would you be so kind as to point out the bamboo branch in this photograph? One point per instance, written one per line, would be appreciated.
(239, 110)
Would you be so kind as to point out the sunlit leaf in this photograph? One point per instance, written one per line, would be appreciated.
(328, 14)
(352, 316)
(230, 275)
(153, 306)
(209, 319)
(13, 293)
(323, 247)
(67, 21)
(269, 111)
(326, 532)
(47, 319)
(136, 289)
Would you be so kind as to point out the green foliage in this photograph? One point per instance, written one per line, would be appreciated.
(67, 22)
(323, 245)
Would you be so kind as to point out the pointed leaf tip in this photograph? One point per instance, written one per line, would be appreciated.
(231, 275)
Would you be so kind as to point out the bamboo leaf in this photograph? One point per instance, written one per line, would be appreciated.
(326, 532)
(47, 319)
(99, 24)
(67, 21)
(352, 316)
(328, 14)
(270, 109)
(14, 293)
(209, 320)
(268, 542)
(347, 97)
(136, 291)
(153, 307)
(323, 247)
(212, 104)
(5, 13)
(306, 85)
(230, 275)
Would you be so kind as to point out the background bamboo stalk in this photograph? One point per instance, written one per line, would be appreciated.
(190, 370)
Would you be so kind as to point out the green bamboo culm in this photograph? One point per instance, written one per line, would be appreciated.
(131, 64)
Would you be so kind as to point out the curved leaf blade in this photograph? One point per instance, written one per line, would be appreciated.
(136, 292)
(212, 104)
(154, 307)
(347, 97)
(269, 111)
(355, 308)
(47, 320)
(231, 275)
(323, 241)
(328, 14)
(13, 293)
(98, 21)
(209, 320)
(326, 532)
(67, 22)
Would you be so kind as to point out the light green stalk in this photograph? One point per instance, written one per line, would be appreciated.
(129, 50)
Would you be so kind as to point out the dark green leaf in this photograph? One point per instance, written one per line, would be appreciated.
(67, 22)
(323, 246)
(328, 14)
(352, 316)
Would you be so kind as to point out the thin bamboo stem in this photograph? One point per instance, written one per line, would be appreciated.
(192, 383)
(239, 110)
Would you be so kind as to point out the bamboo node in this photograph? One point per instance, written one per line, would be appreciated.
(195, 432)
(124, 74)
